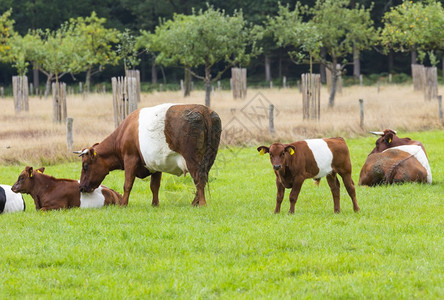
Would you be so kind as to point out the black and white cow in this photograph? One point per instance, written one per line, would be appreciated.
(10, 201)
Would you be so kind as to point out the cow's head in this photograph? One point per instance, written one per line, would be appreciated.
(25, 181)
(94, 169)
(279, 153)
(385, 141)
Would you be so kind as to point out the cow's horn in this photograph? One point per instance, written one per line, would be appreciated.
(377, 132)
(81, 153)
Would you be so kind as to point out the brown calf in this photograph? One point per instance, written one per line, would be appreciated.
(295, 162)
(52, 193)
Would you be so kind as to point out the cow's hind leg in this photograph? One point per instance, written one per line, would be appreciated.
(350, 186)
(333, 182)
(154, 186)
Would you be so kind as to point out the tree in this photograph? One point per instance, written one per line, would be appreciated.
(204, 38)
(415, 27)
(334, 27)
(6, 32)
(94, 46)
(127, 49)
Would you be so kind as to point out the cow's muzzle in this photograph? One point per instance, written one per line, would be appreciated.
(85, 189)
(276, 167)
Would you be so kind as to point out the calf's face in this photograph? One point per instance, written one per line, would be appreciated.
(25, 181)
(94, 170)
(279, 153)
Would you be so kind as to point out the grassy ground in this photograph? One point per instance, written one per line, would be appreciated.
(235, 247)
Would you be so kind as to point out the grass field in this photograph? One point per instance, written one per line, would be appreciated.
(235, 247)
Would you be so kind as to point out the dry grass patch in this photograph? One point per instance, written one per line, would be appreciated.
(31, 137)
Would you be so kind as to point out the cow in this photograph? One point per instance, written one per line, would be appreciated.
(406, 163)
(171, 138)
(389, 139)
(313, 158)
(9, 201)
(52, 193)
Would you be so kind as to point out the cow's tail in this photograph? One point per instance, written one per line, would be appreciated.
(390, 175)
(212, 131)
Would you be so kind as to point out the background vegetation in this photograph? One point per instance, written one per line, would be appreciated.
(132, 16)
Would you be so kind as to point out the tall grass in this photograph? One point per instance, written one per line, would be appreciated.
(31, 137)
(235, 247)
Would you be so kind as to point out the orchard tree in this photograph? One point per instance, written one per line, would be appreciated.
(95, 45)
(333, 26)
(6, 33)
(127, 49)
(411, 27)
(204, 39)
(342, 31)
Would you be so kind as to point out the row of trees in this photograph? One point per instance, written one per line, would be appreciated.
(206, 42)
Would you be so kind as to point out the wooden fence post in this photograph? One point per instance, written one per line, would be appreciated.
(20, 91)
(440, 109)
(239, 82)
(311, 96)
(125, 95)
(361, 110)
(59, 102)
(271, 118)
(135, 74)
(69, 134)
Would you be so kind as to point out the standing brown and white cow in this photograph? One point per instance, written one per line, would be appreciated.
(315, 158)
(171, 138)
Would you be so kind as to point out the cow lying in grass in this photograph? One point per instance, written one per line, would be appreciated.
(52, 193)
(317, 158)
(9, 201)
(407, 163)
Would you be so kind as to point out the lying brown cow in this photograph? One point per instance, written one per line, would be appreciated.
(169, 138)
(407, 163)
(316, 158)
(52, 193)
(389, 139)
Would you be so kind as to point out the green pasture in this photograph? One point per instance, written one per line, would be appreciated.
(235, 247)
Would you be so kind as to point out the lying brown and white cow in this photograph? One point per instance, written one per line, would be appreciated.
(406, 163)
(315, 158)
(52, 193)
(169, 138)
(9, 201)
(389, 139)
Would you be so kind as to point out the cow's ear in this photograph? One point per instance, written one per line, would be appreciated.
(41, 170)
(388, 138)
(290, 149)
(29, 170)
(262, 150)
(92, 152)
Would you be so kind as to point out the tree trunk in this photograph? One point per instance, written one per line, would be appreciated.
(322, 67)
(48, 85)
(356, 63)
(36, 79)
(334, 79)
(280, 65)
(187, 83)
(207, 86)
(88, 80)
(267, 68)
(391, 59)
(153, 70)
(413, 57)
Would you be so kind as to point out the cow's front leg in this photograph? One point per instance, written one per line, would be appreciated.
(154, 185)
(295, 190)
(279, 196)
(127, 187)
